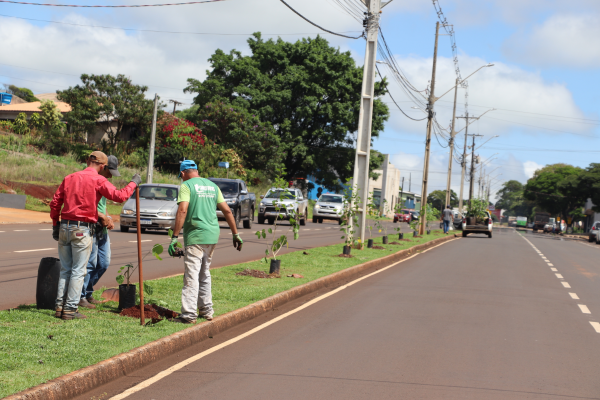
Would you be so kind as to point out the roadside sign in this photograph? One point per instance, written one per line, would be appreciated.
(5, 98)
(492, 207)
(224, 164)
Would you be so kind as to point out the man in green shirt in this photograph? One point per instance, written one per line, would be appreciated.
(198, 201)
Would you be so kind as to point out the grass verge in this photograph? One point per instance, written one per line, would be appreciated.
(36, 347)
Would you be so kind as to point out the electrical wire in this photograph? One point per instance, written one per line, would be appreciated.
(312, 23)
(392, 97)
(109, 6)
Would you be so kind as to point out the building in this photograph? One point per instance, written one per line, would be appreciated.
(410, 200)
(12, 111)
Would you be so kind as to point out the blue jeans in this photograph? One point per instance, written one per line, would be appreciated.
(74, 249)
(97, 265)
(446, 226)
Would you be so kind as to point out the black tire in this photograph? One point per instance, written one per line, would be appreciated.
(271, 221)
(320, 220)
(142, 230)
(590, 238)
(339, 221)
(126, 229)
(490, 235)
(464, 234)
(237, 218)
(304, 218)
(314, 220)
(597, 241)
(248, 223)
(261, 220)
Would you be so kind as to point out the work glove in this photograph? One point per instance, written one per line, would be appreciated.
(173, 247)
(137, 179)
(237, 242)
(55, 232)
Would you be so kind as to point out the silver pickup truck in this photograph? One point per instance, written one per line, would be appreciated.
(291, 202)
(470, 226)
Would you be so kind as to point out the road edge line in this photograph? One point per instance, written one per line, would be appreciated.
(88, 378)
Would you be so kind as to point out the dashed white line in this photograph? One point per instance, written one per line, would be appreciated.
(565, 284)
(135, 241)
(559, 276)
(21, 230)
(574, 296)
(584, 309)
(550, 265)
(44, 229)
(596, 326)
(553, 269)
(27, 251)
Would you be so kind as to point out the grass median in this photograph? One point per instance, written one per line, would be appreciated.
(36, 347)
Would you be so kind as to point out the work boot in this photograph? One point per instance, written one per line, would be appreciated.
(68, 315)
(84, 303)
(182, 320)
(58, 312)
(206, 313)
(93, 300)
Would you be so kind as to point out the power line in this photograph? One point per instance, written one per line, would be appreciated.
(392, 97)
(320, 27)
(110, 6)
(160, 31)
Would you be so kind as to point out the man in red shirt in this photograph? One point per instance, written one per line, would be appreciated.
(78, 196)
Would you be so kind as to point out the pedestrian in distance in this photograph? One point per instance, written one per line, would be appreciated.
(447, 216)
(74, 212)
(100, 256)
(198, 199)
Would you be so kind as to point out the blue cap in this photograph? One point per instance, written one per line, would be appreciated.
(187, 164)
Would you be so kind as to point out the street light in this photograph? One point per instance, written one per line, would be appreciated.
(481, 145)
(461, 82)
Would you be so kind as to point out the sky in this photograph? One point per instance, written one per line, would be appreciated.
(543, 86)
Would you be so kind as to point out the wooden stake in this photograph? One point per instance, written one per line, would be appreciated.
(139, 246)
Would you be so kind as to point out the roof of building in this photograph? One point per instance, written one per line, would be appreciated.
(33, 107)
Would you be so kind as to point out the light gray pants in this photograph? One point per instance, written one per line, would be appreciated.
(196, 293)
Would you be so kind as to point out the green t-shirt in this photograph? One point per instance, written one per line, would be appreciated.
(102, 209)
(201, 225)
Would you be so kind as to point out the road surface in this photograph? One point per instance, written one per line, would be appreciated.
(23, 246)
(475, 318)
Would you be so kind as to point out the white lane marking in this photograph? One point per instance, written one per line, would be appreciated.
(553, 269)
(565, 284)
(21, 230)
(2, 231)
(27, 251)
(584, 309)
(596, 326)
(574, 296)
(550, 265)
(306, 229)
(44, 229)
(163, 374)
(559, 276)
(317, 229)
(135, 241)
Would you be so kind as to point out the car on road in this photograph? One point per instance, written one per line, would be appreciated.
(240, 201)
(403, 216)
(158, 208)
(484, 226)
(457, 222)
(540, 220)
(290, 202)
(593, 233)
(551, 225)
(328, 206)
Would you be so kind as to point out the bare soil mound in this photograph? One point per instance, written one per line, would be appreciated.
(42, 192)
(256, 274)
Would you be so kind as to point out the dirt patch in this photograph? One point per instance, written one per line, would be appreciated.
(344, 255)
(150, 311)
(42, 192)
(257, 274)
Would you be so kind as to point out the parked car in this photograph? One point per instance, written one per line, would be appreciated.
(550, 226)
(158, 207)
(470, 226)
(240, 201)
(290, 202)
(403, 216)
(457, 222)
(415, 215)
(593, 232)
(328, 206)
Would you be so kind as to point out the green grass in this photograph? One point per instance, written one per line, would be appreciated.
(28, 357)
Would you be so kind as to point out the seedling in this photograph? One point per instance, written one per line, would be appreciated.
(349, 217)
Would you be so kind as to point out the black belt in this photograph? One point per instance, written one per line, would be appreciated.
(78, 223)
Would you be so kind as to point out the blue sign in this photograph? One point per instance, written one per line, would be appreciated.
(5, 98)
(224, 165)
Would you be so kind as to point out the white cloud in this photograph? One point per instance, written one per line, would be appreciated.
(564, 40)
(529, 167)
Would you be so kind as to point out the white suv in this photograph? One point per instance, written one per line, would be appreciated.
(593, 233)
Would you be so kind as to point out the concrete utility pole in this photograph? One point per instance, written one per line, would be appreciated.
(360, 179)
(152, 142)
(472, 180)
(451, 146)
(428, 138)
(463, 164)
(175, 104)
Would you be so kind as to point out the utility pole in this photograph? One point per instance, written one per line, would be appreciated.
(451, 146)
(428, 139)
(360, 178)
(472, 180)
(401, 193)
(175, 104)
(463, 164)
(152, 142)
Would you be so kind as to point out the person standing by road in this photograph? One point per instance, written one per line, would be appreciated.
(100, 256)
(74, 212)
(447, 216)
(198, 200)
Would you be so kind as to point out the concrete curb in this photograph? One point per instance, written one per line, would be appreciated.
(78, 382)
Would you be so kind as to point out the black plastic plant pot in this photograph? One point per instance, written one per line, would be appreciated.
(401, 236)
(47, 283)
(346, 250)
(385, 240)
(370, 244)
(274, 268)
(429, 231)
(414, 233)
(126, 296)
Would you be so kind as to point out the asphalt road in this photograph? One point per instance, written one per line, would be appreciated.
(23, 246)
(474, 318)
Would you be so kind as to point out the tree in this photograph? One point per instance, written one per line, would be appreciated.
(111, 103)
(307, 91)
(590, 184)
(23, 93)
(53, 128)
(512, 200)
(437, 199)
(557, 189)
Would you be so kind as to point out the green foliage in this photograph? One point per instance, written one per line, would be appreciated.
(433, 214)
(125, 273)
(349, 213)
(590, 185)
(50, 116)
(307, 90)
(477, 208)
(157, 250)
(6, 126)
(23, 93)
(511, 199)
(437, 198)
(20, 125)
(35, 122)
(108, 102)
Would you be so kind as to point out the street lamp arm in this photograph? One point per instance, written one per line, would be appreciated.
(481, 145)
(459, 83)
(474, 119)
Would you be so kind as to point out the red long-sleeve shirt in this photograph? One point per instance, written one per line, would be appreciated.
(80, 193)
